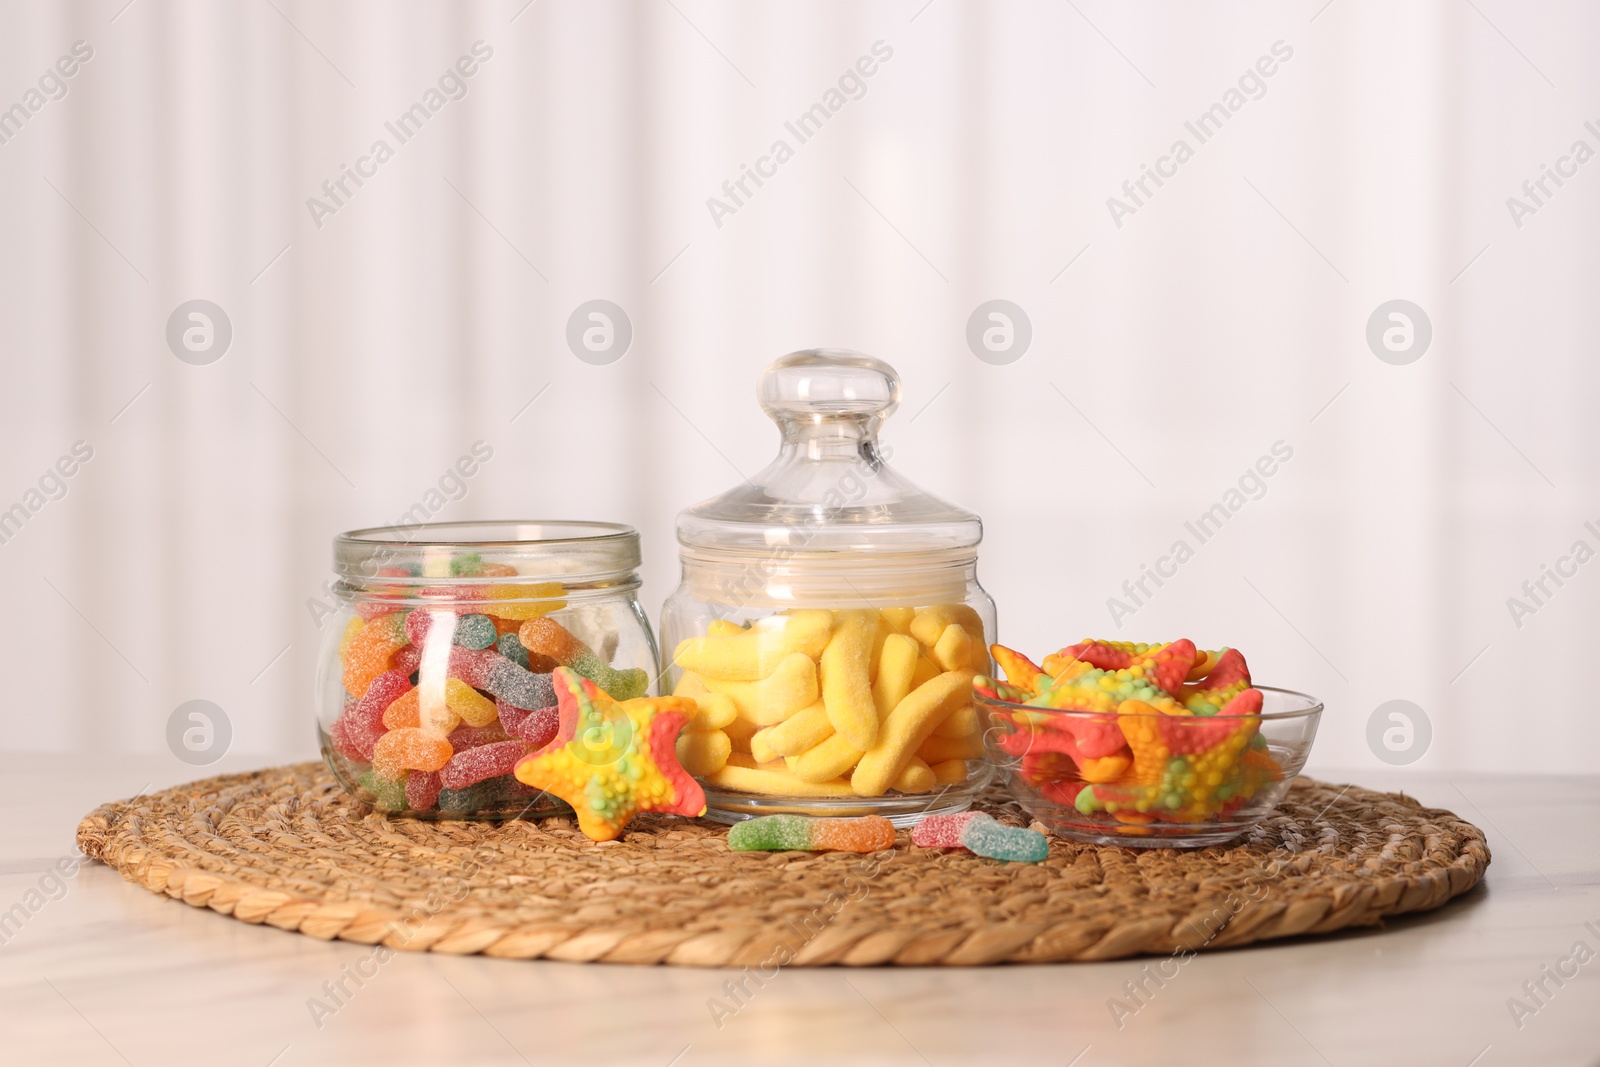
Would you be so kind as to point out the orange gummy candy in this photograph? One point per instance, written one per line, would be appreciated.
(410, 749)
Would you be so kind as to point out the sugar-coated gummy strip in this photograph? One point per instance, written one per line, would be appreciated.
(941, 831)
(791, 686)
(869, 833)
(846, 686)
(907, 726)
(961, 723)
(929, 625)
(801, 732)
(939, 749)
(953, 650)
(364, 719)
(481, 763)
(1014, 844)
(917, 777)
(828, 760)
(485, 669)
(464, 737)
(536, 726)
(422, 790)
(712, 711)
(367, 655)
(388, 794)
(897, 663)
(704, 753)
(546, 637)
(756, 653)
(410, 749)
(950, 772)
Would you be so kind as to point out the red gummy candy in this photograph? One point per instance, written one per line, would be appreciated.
(418, 623)
(1041, 767)
(1102, 657)
(1097, 736)
(349, 747)
(942, 831)
(537, 727)
(476, 736)
(407, 660)
(356, 732)
(1186, 735)
(422, 789)
(1230, 669)
(1170, 666)
(486, 761)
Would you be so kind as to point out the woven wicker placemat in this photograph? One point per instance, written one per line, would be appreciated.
(289, 848)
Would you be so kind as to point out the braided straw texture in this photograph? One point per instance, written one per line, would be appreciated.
(289, 848)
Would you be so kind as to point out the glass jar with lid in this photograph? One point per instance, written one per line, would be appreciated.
(435, 677)
(830, 620)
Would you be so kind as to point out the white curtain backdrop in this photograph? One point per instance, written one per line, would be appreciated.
(375, 340)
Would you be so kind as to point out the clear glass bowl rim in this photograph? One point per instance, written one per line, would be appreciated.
(1313, 708)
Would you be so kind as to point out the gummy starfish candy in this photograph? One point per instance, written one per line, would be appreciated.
(613, 759)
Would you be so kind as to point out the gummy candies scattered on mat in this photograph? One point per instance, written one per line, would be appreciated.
(444, 704)
(1171, 731)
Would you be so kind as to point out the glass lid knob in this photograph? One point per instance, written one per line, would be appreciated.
(826, 384)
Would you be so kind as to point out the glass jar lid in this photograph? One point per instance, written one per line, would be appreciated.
(484, 553)
(830, 492)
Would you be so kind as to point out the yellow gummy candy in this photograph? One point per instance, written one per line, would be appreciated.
(474, 708)
(899, 619)
(704, 753)
(792, 685)
(897, 665)
(1104, 769)
(918, 777)
(930, 624)
(712, 711)
(690, 685)
(800, 732)
(954, 648)
(753, 654)
(906, 728)
(351, 628)
(940, 749)
(827, 760)
(498, 596)
(723, 628)
(739, 732)
(961, 723)
(846, 687)
(950, 772)
(926, 671)
(761, 749)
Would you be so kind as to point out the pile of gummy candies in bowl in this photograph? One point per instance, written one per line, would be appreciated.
(1144, 744)
(440, 683)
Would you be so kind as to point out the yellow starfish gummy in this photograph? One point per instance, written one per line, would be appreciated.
(613, 759)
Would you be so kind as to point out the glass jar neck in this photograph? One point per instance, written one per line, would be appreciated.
(849, 437)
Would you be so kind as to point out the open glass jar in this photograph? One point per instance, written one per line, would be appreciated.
(434, 680)
(830, 621)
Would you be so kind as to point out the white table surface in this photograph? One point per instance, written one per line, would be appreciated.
(111, 974)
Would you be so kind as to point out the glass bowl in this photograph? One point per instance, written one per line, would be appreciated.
(1146, 781)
